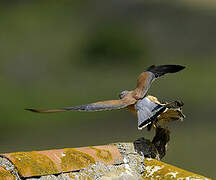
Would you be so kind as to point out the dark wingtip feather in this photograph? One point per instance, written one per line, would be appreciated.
(176, 68)
(32, 110)
(163, 69)
(150, 68)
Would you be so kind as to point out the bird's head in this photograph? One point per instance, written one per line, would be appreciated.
(123, 93)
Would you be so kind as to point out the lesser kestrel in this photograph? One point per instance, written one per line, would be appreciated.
(147, 108)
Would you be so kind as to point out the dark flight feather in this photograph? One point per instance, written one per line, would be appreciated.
(163, 69)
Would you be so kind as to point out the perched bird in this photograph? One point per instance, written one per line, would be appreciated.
(147, 108)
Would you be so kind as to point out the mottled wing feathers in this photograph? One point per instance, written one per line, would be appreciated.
(98, 106)
(171, 115)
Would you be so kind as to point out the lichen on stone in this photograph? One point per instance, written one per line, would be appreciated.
(36, 163)
(103, 154)
(5, 175)
(75, 160)
(160, 170)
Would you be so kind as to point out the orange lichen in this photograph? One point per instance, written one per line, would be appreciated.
(103, 154)
(159, 170)
(6, 175)
(74, 160)
(33, 163)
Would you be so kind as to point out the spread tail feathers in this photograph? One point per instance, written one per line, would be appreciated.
(163, 69)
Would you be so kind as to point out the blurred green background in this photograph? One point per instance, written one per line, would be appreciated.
(63, 53)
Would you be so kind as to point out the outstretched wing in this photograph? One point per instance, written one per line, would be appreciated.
(147, 111)
(147, 77)
(98, 106)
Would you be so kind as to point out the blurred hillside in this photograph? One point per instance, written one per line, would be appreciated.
(63, 53)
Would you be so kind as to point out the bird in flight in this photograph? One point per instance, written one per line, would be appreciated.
(147, 108)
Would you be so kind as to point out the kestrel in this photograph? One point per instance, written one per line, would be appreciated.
(147, 108)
